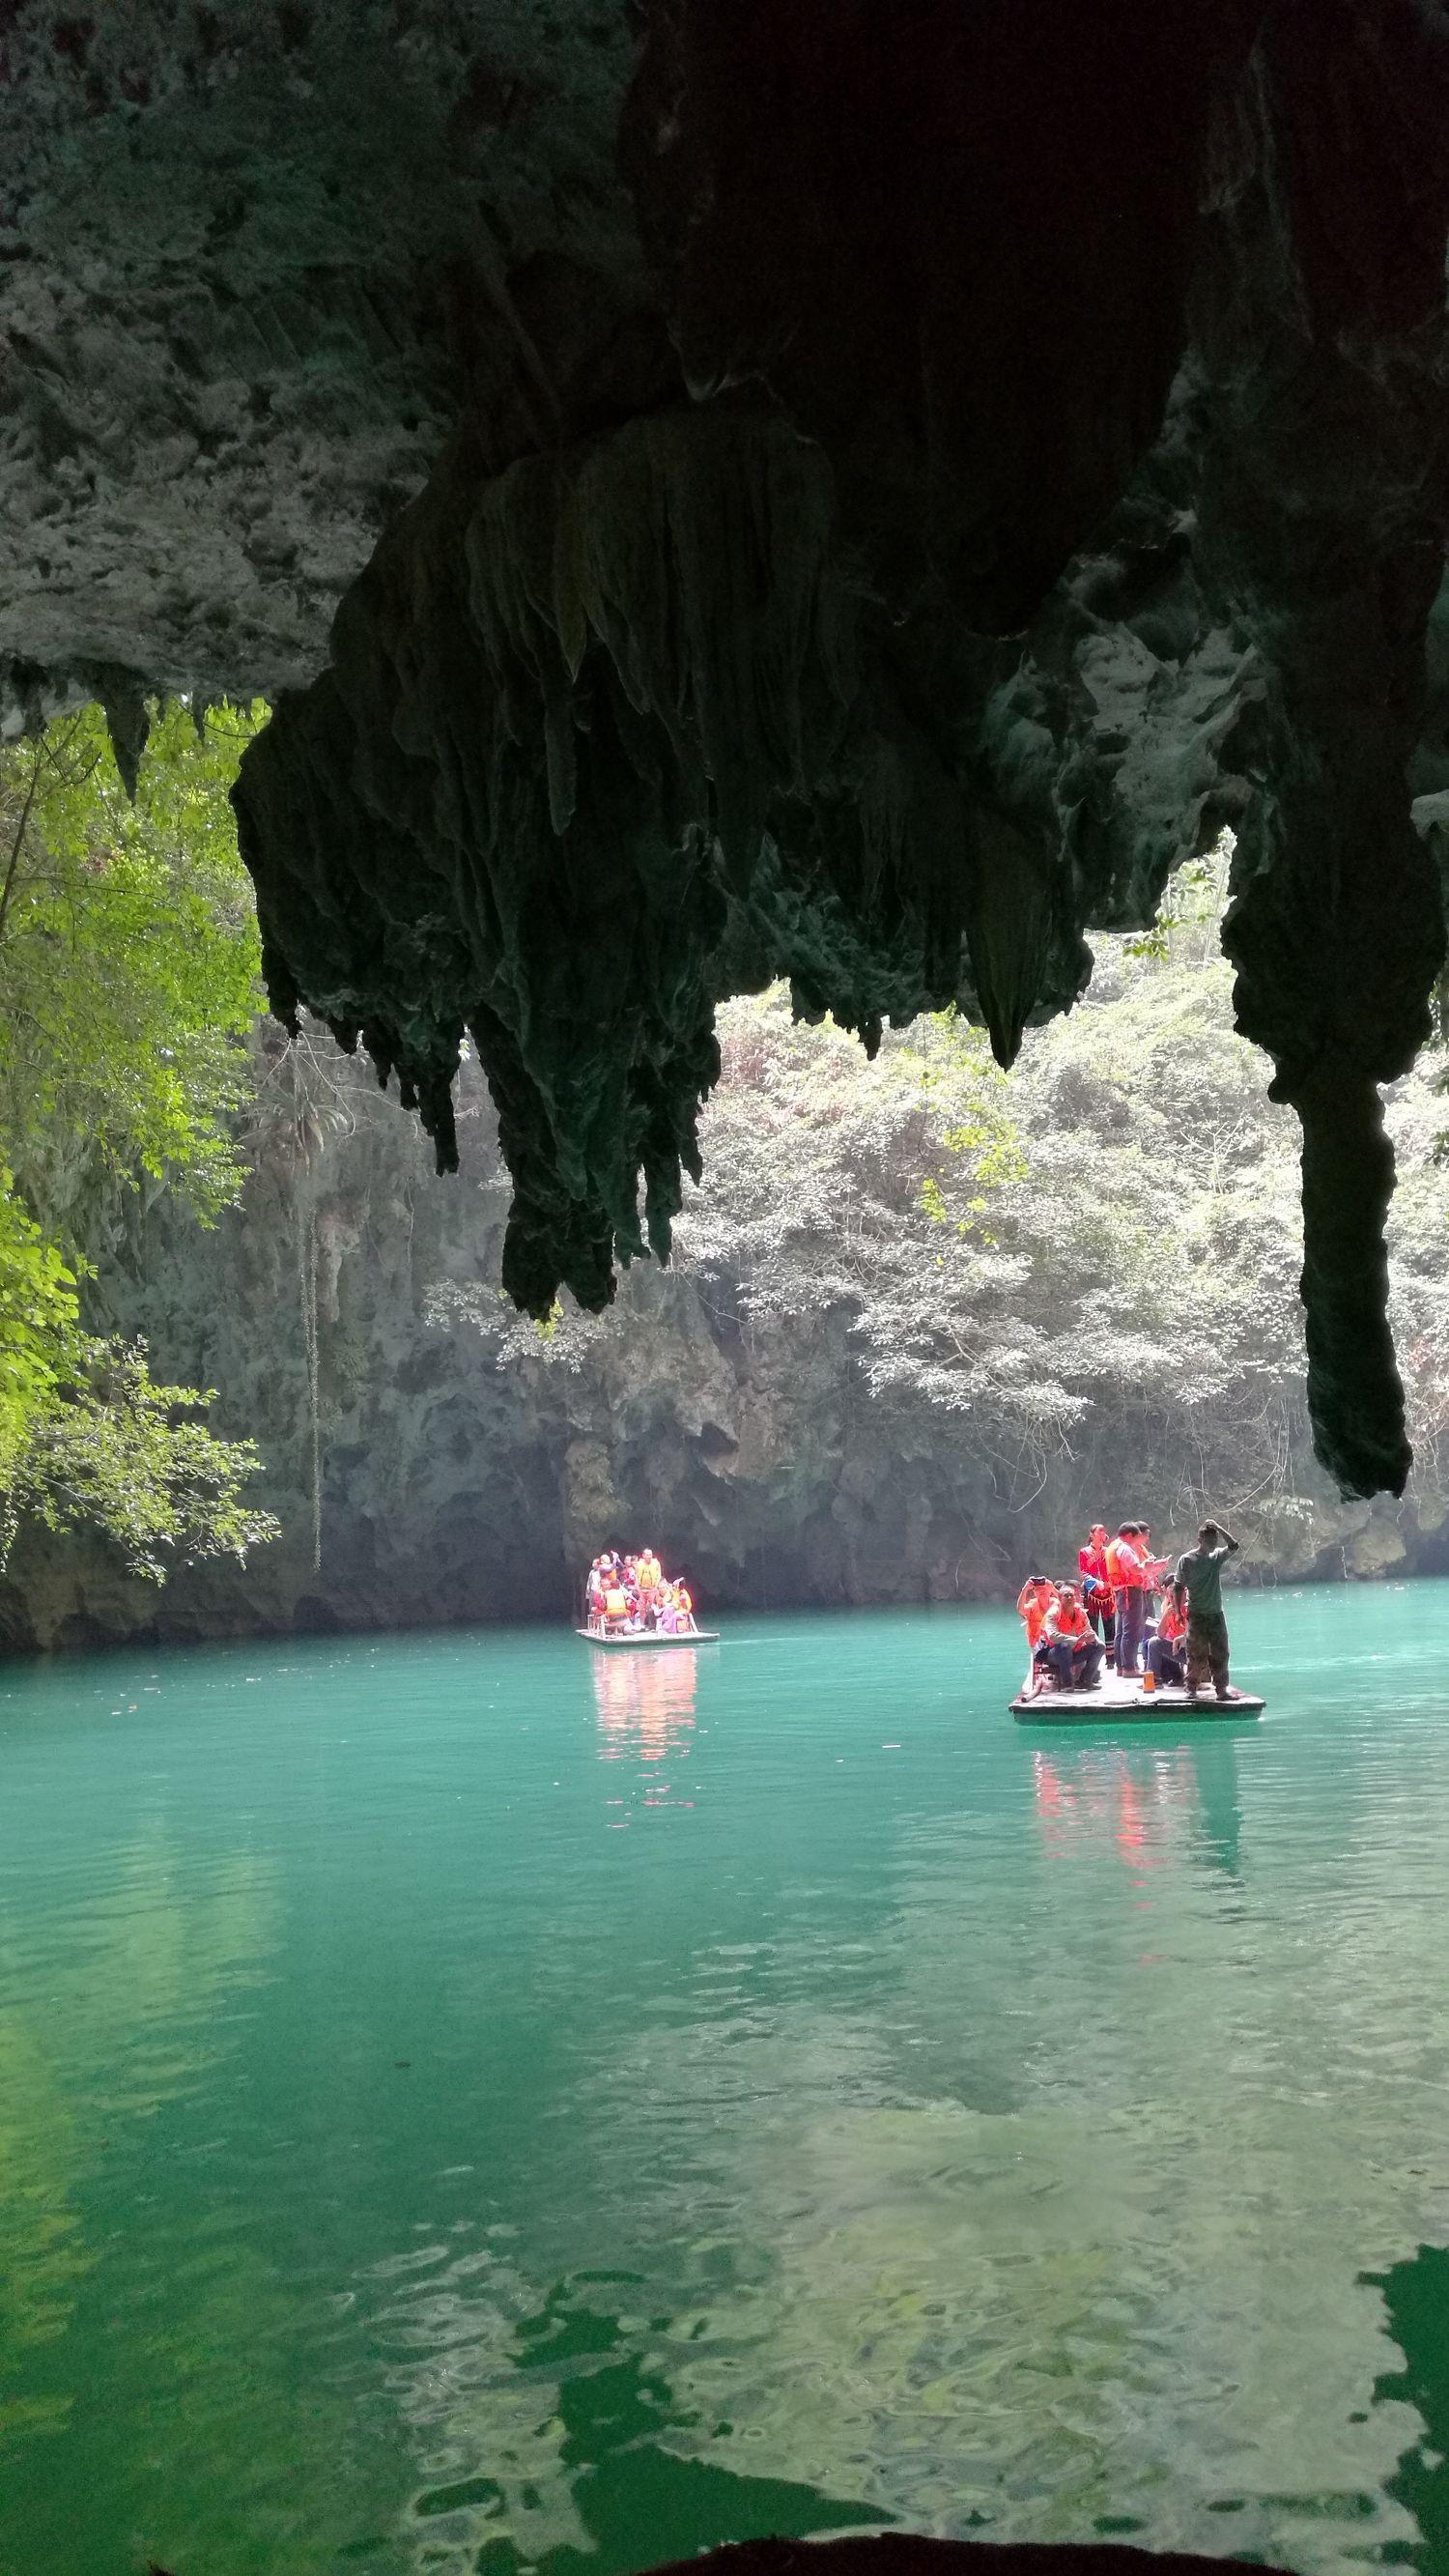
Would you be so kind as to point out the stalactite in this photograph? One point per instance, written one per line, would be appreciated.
(1044, 507)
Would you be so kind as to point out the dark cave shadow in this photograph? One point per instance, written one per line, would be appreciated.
(1416, 2295)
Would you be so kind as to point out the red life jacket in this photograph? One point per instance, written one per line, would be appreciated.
(1093, 1561)
(1126, 1566)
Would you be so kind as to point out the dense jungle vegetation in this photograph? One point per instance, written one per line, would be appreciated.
(128, 985)
(923, 1318)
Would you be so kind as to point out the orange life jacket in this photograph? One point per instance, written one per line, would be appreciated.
(1032, 1604)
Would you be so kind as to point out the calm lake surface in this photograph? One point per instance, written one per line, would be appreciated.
(467, 2103)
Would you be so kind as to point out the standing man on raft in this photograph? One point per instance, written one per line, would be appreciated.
(1197, 1590)
(1128, 1572)
(1098, 1599)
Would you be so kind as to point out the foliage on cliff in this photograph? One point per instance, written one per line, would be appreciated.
(128, 963)
(922, 1320)
(1089, 1267)
(128, 983)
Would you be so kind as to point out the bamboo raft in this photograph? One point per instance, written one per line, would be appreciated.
(1117, 1703)
(649, 1637)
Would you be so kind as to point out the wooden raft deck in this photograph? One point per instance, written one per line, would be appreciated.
(1115, 1703)
(649, 1637)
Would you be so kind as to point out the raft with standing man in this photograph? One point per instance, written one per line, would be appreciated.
(1155, 1624)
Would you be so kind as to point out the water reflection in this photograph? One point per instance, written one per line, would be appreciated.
(1145, 1804)
(645, 1706)
(143, 1970)
(1217, 1837)
(965, 2138)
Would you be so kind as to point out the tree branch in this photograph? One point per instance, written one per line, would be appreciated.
(18, 843)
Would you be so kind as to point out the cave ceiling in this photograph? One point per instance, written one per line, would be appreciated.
(724, 489)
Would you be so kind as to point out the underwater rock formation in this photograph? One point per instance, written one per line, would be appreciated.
(871, 508)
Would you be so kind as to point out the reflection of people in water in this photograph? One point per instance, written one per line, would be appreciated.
(645, 1703)
(1140, 1802)
(1147, 1805)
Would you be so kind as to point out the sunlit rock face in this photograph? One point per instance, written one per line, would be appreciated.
(852, 508)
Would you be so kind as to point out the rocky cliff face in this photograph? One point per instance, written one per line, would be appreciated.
(429, 1471)
(800, 501)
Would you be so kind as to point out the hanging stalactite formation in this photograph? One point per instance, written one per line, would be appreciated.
(859, 503)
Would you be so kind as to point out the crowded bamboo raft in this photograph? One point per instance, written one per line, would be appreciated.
(1132, 1633)
(631, 1601)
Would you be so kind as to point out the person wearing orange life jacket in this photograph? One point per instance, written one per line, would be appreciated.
(683, 1610)
(1072, 1650)
(1156, 1566)
(1098, 1599)
(1165, 1655)
(1036, 1597)
(1127, 1568)
(650, 1579)
(1033, 1601)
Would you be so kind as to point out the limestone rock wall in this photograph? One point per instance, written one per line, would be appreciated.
(454, 1489)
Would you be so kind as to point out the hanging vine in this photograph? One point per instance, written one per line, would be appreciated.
(300, 1103)
(307, 1289)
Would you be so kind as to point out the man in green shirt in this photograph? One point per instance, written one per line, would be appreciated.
(1197, 1589)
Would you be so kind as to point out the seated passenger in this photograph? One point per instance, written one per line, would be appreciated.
(616, 1609)
(1073, 1652)
(1165, 1656)
(683, 1610)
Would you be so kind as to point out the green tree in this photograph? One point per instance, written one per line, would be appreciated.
(128, 984)
(129, 964)
(38, 1317)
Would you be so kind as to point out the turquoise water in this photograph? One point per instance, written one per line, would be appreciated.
(468, 2104)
